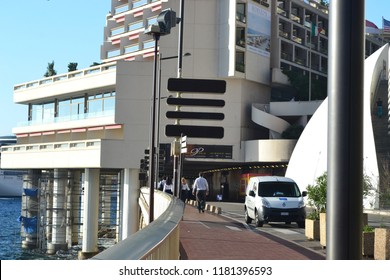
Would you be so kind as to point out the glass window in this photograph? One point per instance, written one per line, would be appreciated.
(113, 53)
(149, 44)
(64, 108)
(48, 111)
(278, 189)
(139, 3)
(117, 31)
(132, 48)
(121, 9)
(37, 112)
(136, 25)
(152, 21)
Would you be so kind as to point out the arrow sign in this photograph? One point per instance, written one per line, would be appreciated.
(196, 85)
(195, 102)
(194, 131)
(194, 115)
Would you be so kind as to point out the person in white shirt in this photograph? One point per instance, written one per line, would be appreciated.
(184, 190)
(201, 189)
(168, 186)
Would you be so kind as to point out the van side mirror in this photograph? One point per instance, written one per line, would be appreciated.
(304, 193)
(252, 193)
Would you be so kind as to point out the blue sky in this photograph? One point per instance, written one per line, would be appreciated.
(36, 32)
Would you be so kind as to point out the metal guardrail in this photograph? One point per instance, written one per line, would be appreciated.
(157, 241)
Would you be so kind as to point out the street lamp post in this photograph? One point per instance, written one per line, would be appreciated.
(152, 147)
(166, 20)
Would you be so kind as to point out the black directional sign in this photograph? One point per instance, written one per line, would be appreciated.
(196, 85)
(194, 131)
(194, 115)
(195, 102)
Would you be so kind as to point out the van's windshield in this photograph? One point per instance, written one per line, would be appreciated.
(278, 189)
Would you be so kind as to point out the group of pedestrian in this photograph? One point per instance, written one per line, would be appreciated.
(200, 190)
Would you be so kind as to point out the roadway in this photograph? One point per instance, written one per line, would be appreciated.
(225, 236)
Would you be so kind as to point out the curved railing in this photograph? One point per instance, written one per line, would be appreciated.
(157, 241)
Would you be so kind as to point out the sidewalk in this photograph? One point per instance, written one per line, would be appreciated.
(209, 236)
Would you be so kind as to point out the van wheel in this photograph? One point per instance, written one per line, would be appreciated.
(248, 219)
(258, 222)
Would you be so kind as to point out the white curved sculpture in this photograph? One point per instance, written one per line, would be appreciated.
(309, 158)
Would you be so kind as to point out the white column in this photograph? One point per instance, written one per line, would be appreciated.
(30, 208)
(90, 214)
(106, 202)
(59, 212)
(130, 194)
(76, 204)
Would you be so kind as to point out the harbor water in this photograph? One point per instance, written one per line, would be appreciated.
(11, 237)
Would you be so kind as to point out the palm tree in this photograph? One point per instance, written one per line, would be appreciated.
(72, 66)
(50, 70)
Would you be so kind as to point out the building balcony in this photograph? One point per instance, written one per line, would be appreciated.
(63, 125)
(282, 12)
(136, 8)
(101, 76)
(94, 153)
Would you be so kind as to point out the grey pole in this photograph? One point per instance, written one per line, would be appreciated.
(345, 130)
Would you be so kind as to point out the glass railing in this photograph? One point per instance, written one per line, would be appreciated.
(70, 118)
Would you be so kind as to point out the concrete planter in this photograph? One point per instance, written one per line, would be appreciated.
(312, 229)
(323, 229)
(368, 239)
(382, 244)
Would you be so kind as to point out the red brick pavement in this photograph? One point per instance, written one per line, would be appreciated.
(207, 236)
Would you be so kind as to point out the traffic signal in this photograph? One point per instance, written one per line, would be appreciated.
(166, 20)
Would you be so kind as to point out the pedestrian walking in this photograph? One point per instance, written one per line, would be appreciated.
(168, 186)
(201, 190)
(185, 189)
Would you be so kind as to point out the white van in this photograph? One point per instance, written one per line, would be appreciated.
(274, 199)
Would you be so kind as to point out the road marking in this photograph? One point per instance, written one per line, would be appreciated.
(285, 231)
(234, 228)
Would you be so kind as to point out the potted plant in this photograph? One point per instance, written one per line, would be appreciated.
(382, 243)
(312, 226)
(317, 199)
(368, 238)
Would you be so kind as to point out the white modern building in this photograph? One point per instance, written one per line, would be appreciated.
(86, 131)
